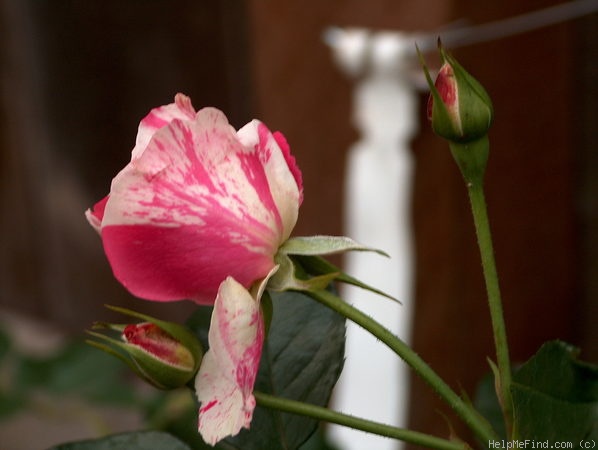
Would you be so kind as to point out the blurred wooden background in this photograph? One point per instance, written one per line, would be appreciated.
(77, 76)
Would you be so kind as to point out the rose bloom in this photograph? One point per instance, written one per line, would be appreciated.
(198, 202)
(199, 213)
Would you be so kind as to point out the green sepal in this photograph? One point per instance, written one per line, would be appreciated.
(312, 273)
(324, 245)
(319, 266)
(442, 122)
(115, 349)
(472, 158)
(286, 278)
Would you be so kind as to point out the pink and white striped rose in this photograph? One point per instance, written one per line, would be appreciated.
(198, 202)
(199, 213)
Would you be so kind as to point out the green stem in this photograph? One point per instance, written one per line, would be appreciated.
(472, 157)
(480, 217)
(469, 415)
(320, 413)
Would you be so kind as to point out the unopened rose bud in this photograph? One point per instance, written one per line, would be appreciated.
(459, 107)
(461, 112)
(164, 361)
(165, 354)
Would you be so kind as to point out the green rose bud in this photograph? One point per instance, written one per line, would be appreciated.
(459, 107)
(165, 354)
(461, 112)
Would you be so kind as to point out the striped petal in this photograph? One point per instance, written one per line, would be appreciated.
(284, 177)
(94, 216)
(159, 117)
(225, 380)
(197, 204)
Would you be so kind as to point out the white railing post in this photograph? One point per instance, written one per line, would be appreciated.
(374, 383)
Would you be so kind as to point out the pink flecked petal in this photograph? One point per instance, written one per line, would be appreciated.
(257, 289)
(284, 177)
(181, 262)
(159, 117)
(290, 159)
(195, 207)
(447, 87)
(224, 383)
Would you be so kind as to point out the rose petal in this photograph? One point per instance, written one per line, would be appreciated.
(225, 380)
(174, 263)
(284, 177)
(159, 117)
(197, 206)
(290, 159)
(94, 216)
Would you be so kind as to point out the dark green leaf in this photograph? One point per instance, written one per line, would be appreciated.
(318, 441)
(199, 323)
(555, 396)
(140, 440)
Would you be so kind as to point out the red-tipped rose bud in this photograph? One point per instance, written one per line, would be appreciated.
(461, 112)
(163, 360)
(459, 107)
(165, 354)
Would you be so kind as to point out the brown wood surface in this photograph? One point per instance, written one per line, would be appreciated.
(77, 79)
